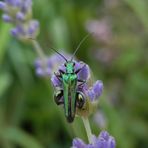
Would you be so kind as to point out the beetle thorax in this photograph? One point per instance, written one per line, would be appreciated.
(70, 67)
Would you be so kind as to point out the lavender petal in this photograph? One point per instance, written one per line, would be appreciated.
(62, 68)
(6, 18)
(91, 95)
(14, 32)
(78, 65)
(55, 81)
(101, 143)
(106, 140)
(27, 4)
(104, 135)
(13, 2)
(78, 143)
(2, 5)
(20, 16)
(84, 72)
(40, 72)
(33, 27)
(98, 88)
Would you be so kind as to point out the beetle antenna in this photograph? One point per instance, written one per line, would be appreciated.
(53, 50)
(60, 54)
(84, 38)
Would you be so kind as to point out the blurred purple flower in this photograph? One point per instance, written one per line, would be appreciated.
(19, 13)
(106, 55)
(20, 16)
(52, 64)
(2, 5)
(7, 18)
(32, 27)
(95, 91)
(104, 140)
(101, 30)
(100, 119)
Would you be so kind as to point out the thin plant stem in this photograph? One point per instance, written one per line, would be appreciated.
(39, 50)
(87, 128)
(40, 53)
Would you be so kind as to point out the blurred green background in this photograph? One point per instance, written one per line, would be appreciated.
(117, 54)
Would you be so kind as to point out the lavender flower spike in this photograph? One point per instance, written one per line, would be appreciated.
(19, 13)
(6, 18)
(104, 140)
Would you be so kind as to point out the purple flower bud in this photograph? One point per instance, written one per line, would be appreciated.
(100, 119)
(26, 6)
(91, 95)
(95, 92)
(21, 29)
(40, 72)
(11, 2)
(14, 3)
(104, 135)
(20, 16)
(2, 5)
(98, 88)
(107, 140)
(78, 143)
(7, 18)
(101, 29)
(55, 81)
(17, 31)
(33, 27)
(84, 73)
(14, 32)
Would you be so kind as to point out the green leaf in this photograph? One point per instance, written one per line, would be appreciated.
(4, 37)
(19, 137)
(141, 9)
(5, 81)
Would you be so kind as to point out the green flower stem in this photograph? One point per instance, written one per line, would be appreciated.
(39, 50)
(87, 128)
(40, 53)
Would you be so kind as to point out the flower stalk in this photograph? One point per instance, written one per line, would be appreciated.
(87, 128)
(39, 50)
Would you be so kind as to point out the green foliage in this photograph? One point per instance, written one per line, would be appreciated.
(28, 115)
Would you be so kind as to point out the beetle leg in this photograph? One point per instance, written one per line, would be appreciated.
(58, 97)
(78, 70)
(82, 82)
(59, 77)
(59, 102)
(61, 71)
(80, 99)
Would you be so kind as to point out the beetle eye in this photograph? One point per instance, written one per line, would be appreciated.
(74, 63)
(80, 100)
(65, 64)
